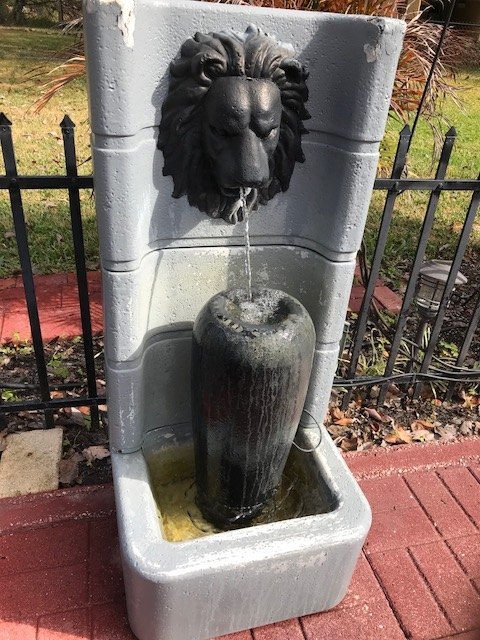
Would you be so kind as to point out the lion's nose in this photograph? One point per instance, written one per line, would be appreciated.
(253, 167)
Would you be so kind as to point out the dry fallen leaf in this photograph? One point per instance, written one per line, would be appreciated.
(336, 431)
(336, 413)
(398, 436)
(68, 469)
(418, 425)
(446, 433)
(373, 413)
(3, 440)
(77, 416)
(423, 435)
(349, 444)
(95, 452)
(466, 428)
(344, 422)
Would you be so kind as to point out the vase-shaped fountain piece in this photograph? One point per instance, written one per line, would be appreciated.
(251, 365)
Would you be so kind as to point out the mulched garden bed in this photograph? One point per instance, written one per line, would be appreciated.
(86, 460)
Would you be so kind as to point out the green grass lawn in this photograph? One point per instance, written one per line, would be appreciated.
(410, 207)
(39, 150)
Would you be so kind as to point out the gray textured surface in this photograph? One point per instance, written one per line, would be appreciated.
(240, 579)
(162, 260)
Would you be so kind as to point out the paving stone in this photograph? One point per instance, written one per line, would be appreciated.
(451, 587)
(421, 457)
(443, 510)
(390, 300)
(364, 587)
(399, 529)
(241, 635)
(287, 630)
(60, 545)
(469, 635)
(109, 622)
(476, 584)
(467, 553)
(20, 629)
(30, 461)
(68, 625)
(465, 487)
(8, 283)
(366, 622)
(51, 280)
(385, 494)
(106, 577)
(420, 615)
(76, 503)
(41, 592)
(16, 327)
(11, 296)
(356, 297)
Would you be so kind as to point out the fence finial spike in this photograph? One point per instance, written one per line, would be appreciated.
(451, 133)
(67, 123)
(405, 132)
(4, 121)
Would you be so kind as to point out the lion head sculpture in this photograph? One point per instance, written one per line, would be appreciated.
(233, 120)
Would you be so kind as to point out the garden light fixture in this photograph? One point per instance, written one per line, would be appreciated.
(431, 285)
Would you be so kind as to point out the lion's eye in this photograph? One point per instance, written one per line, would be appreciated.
(222, 132)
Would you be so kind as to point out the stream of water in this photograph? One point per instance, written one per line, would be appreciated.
(248, 267)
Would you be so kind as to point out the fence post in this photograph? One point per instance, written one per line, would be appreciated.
(419, 255)
(361, 324)
(25, 261)
(68, 134)
(457, 260)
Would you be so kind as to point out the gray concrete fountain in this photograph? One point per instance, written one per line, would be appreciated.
(164, 257)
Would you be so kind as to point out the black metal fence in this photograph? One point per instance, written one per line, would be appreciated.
(418, 368)
(413, 371)
(72, 182)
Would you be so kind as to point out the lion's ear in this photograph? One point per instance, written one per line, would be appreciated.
(206, 66)
(294, 71)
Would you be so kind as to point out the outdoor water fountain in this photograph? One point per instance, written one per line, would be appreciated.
(219, 531)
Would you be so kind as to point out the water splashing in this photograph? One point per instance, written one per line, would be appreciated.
(244, 191)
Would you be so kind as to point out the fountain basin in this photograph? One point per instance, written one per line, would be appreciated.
(233, 580)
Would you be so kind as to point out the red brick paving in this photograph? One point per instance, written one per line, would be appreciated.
(58, 306)
(419, 575)
(59, 309)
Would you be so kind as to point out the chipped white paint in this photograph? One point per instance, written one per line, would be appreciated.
(372, 52)
(126, 17)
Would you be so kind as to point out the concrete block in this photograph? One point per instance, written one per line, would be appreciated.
(239, 579)
(171, 286)
(30, 462)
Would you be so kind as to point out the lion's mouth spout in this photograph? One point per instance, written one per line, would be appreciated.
(243, 204)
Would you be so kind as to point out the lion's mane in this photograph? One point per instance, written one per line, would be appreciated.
(203, 59)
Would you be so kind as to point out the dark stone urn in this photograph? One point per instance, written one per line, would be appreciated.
(251, 365)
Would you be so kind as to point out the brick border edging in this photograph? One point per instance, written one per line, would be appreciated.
(37, 510)
(397, 459)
